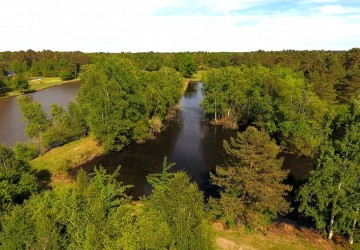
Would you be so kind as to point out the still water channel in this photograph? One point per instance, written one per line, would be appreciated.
(193, 145)
(11, 127)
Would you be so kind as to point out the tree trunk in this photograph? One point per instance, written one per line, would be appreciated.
(331, 231)
(332, 218)
(215, 111)
(351, 237)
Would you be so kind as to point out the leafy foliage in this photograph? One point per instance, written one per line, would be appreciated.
(95, 213)
(331, 196)
(119, 101)
(34, 115)
(78, 217)
(277, 100)
(25, 151)
(17, 181)
(251, 189)
(174, 214)
(20, 83)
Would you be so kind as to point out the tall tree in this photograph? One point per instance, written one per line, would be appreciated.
(3, 83)
(331, 196)
(94, 213)
(34, 115)
(185, 64)
(174, 214)
(17, 181)
(20, 83)
(251, 189)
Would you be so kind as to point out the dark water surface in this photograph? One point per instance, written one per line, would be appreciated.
(11, 127)
(193, 145)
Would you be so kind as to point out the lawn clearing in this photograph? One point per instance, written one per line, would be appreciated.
(58, 161)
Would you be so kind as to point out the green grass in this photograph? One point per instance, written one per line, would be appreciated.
(284, 237)
(39, 84)
(42, 83)
(356, 246)
(58, 161)
(198, 75)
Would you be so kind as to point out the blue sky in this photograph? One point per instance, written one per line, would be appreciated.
(179, 25)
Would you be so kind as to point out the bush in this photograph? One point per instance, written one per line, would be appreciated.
(58, 135)
(63, 167)
(25, 152)
(20, 83)
(155, 124)
(66, 74)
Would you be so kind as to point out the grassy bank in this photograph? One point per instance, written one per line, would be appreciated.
(40, 84)
(53, 166)
(198, 75)
(279, 236)
(43, 83)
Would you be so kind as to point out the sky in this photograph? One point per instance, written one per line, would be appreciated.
(179, 25)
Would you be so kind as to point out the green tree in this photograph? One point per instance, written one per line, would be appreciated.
(20, 83)
(3, 83)
(34, 115)
(17, 181)
(118, 101)
(328, 195)
(331, 196)
(63, 129)
(25, 151)
(174, 214)
(224, 91)
(185, 64)
(251, 189)
(17, 229)
(94, 213)
(66, 74)
(103, 95)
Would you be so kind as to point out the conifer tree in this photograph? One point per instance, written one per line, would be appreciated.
(251, 189)
(174, 215)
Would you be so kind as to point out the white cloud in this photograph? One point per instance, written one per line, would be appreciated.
(115, 26)
(337, 9)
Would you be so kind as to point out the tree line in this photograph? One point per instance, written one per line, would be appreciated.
(340, 69)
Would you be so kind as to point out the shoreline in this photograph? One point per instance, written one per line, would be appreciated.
(36, 89)
(55, 166)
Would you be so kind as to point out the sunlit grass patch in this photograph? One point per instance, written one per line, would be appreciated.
(58, 161)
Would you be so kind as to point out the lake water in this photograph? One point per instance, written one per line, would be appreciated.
(11, 127)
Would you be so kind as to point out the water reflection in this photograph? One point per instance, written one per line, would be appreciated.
(195, 146)
(11, 127)
(189, 142)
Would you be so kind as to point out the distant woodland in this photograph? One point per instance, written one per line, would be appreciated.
(303, 102)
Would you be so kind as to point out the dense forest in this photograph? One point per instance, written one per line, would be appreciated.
(303, 102)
